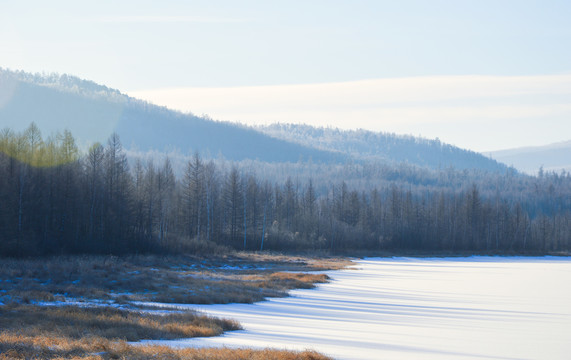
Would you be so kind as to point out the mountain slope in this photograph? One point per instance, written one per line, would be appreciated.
(553, 157)
(368, 145)
(93, 112)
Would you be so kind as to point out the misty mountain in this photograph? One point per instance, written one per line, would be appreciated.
(367, 145)
(553, 157)
(92, 112)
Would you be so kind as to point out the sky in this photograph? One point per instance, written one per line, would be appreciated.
(483, 75)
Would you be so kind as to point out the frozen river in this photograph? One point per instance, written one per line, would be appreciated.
(403, 308)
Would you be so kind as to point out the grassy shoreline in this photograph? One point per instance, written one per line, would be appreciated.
(241, 277)
(95, 302)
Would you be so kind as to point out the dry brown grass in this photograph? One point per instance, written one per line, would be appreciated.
(304, 278)
(93, 348)
(284, 281)
(114, 324)
(295, 263)
(180, 279)
(18, 346)
(221, 354)
(34, 332)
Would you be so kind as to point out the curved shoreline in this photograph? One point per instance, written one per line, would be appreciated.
(417, 308)
(83, 297)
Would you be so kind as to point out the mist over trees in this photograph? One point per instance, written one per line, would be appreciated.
(56, 200)
(94, 111)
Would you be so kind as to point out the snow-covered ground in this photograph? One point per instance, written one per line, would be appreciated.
(402, 308)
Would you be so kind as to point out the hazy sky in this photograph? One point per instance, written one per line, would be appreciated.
(479, 74)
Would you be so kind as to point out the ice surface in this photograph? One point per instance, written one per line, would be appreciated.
(403, 308)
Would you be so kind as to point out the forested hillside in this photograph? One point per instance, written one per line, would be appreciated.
(57, 200)
(367, 145)
(93, 112)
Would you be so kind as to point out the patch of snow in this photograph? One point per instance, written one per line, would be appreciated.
(86, 303)
(164, 306)
(118, 294)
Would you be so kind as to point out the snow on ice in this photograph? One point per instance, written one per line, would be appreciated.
(403, 308)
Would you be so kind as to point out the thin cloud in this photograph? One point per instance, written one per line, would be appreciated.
(490, 106)
(168, 19)
(367, 92)
(450, 96)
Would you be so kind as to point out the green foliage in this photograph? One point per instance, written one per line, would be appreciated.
(29, 147)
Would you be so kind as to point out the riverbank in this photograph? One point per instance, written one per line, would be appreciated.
(90, 306)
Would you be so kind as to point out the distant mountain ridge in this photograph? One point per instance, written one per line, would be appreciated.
(92, 112)
(369, 145)
(552, 157)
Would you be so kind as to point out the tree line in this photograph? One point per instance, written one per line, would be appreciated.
(55, 200)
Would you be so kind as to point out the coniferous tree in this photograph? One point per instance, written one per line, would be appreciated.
(56, 201)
